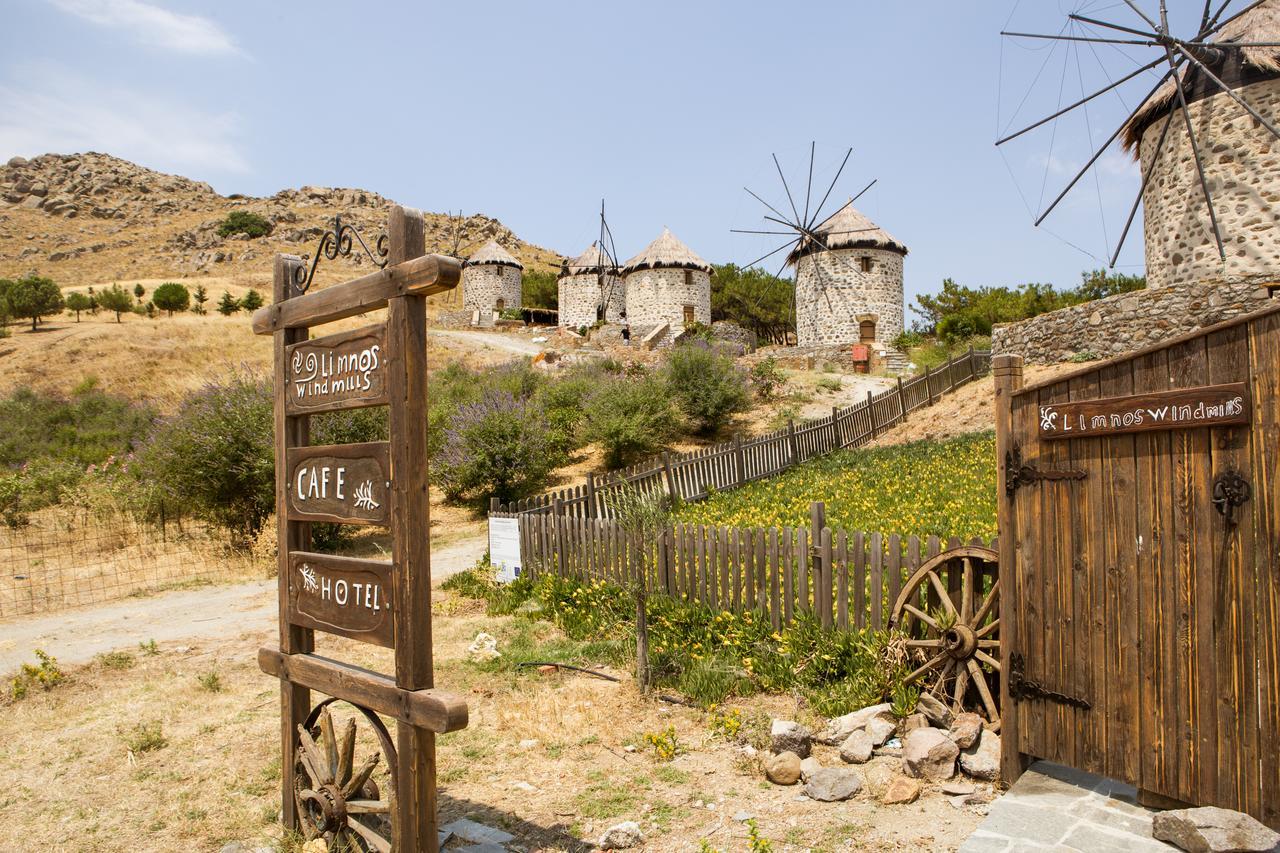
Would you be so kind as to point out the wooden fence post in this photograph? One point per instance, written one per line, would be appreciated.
(871, 416)
(836, 443)
(592, 512)
(820, 560)
(902, 403)
(928, 383)
(557, 518)
(495, 504)
(973, 366)
(795, 442)
(1007, 370)
(739, 461)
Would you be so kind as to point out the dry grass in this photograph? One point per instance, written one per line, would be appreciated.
(545, 757)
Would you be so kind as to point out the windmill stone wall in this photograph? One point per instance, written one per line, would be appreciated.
(579, 299)
(484, 284)
(657, 296)
(1242, 168)
(834, 296)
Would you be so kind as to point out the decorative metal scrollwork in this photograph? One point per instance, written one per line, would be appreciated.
(340, 242)
(1230, 491)
(1021, 687)
(1017, 474)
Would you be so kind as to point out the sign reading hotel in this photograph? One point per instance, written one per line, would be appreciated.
(345, 483)
(1184, 408)
(342, 595)
(342, 371)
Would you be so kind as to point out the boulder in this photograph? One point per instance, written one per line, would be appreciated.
(982, 760)
(1214, 830)
(833, 784)
(622, 837)
(901, 791)
(912, 722)
(965, 729)
(857, 748)
(935, 710)
(880, 729)
(783, 768)
(929, 754)
(808, 767)
(789, 736)
(839, 728)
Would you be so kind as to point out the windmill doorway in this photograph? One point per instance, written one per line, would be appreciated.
(867, 332)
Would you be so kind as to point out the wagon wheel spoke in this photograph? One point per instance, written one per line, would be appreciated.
(957, 691)
(987, 629)
(988, 644)
(310, 757)
(376, 841)
(939, 686)
(346, 754)
(368, 807)
(980, 681)
(932, 663)
(330, 744)
(987, 659)
(986, 606)
(924, 644)
(922, 616)
(966, 591)
(936, 582)
(361, 776)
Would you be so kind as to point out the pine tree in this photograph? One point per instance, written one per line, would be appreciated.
(227, 305)
(139, 291)
(200, 296)
(251, 301)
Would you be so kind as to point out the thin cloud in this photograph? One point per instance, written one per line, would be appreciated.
(154, 25)
(50, 109)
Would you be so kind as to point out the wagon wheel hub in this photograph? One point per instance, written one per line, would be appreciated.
(960, 641)
(326, 808)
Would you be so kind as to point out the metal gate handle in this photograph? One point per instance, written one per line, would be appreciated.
(1230, 490)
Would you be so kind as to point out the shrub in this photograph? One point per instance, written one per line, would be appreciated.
(144, 737)
(77, 302)
(115, 299)
(228, 304)
(562, 404)
(34, 297)
(244, 222)
(210, 681)
(707, 386)
(85, 429)
(45, 675)
(767, 378)
(495, 447)
(171, 296)
(829, 383)
(630, 419)
(200, 296)
(251, 301)
(214, 456)
(907, 340)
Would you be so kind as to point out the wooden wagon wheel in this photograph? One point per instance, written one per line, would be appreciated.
(955, 644)
(336, 799)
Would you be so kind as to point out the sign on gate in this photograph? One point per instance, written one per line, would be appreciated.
(340, 371)
(504, 547)
(1184, 408)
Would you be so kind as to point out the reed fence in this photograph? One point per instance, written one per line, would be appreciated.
(845, 579)
(729, 465)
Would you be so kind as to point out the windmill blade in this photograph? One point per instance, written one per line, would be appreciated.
(1143, 15)
(808, 189)
(1091, 39)
(1146, 179)
(1096, 22)
(827, 194)
(786, 188)
(1204, 19)
(785, 245)
(783, 220)
(748, 231)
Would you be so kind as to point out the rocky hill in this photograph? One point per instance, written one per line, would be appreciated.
(92, 218)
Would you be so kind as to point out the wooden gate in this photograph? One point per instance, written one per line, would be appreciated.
(1140, 567)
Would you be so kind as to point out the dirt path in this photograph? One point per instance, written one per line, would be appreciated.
(76, 636)
(480, 340)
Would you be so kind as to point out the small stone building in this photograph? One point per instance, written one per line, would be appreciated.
(587, 282)
(848, 282)
(1241, 160)
(491, 281)
(667, 283)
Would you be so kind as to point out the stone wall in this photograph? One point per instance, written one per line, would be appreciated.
(484, 284)
(1242, 169)
(578, 299)
(657, 296)
(834, 295)
(1125, 322)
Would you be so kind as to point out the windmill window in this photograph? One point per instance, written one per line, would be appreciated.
(688, 277)
(866, 263)
(502, 303)
(867, 332)
(689, 319)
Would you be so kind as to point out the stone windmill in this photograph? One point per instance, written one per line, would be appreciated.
(491, 281)
(589, 288)
(1205, 136)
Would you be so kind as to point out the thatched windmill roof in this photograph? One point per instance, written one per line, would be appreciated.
(492, 253)
(1236, 67)
(847, 228)
(590, 261)
(667, 251)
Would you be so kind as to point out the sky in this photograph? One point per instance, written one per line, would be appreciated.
(532, 112)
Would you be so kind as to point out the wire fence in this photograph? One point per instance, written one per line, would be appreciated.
(67, 557)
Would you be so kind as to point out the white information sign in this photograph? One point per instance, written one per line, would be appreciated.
(504, 547)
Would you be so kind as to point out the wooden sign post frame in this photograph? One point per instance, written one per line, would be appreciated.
(421, 712)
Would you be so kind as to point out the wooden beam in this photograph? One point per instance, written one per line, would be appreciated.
(433, 710)
(418, 276)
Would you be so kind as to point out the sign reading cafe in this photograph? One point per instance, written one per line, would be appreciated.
(1183, 408)
(340, 483)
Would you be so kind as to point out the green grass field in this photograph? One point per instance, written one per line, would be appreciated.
(941, 488)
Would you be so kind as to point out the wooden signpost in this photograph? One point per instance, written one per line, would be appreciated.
(325, 792)
(1183, 408)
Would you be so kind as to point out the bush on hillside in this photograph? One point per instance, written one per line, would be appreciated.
(495, 447)
(251, 301)
(33, 297)
(115, 299)
(78, 302)
(707, 386)
(630, 419)
(244, 222)
(171, 296)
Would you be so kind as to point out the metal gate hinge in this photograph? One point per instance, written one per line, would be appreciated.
(1021, 687)
(1016, 474)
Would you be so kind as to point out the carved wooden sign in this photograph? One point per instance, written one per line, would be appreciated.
(343, 371)
(1183, 408)
(340, 482)
(342, 595)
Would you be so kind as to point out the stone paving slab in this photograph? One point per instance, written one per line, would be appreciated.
(1056, 808)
